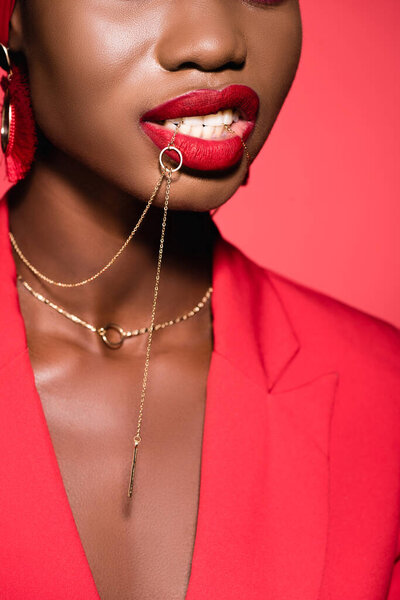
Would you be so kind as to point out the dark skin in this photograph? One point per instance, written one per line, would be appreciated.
(86, 190)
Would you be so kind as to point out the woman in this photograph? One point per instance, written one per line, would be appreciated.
(249, 450)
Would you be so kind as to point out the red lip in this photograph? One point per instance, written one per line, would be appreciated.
(202, 154)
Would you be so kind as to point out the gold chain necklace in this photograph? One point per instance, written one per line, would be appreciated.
(101, 271)
(166, 173)
(47, 279)
(103, 332)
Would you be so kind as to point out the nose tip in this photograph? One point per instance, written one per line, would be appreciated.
(207, 42)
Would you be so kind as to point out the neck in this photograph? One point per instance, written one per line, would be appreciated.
(69, 223)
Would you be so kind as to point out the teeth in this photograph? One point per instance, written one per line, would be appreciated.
(214, 120)
(197, 131)
(170, 125)
(193, 121)
(207, 127)
(208, 132)
(185, 129)
(219, 131)
(228, 117)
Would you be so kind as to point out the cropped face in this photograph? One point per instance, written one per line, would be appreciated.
(110, 78)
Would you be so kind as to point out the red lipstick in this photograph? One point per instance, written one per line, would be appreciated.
(198, 153)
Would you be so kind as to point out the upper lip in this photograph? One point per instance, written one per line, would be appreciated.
(207, 101)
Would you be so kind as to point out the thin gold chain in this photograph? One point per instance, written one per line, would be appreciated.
(166, 172)
(137, 439)
(50, 281)
(107, 266)
(122, 334)
(103, 331)
(246, 150)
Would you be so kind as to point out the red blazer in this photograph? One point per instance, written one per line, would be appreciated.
(300, 475)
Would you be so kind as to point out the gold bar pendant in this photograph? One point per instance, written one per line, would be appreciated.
(133, 469)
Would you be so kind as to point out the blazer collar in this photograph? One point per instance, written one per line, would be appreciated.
(263, 507)
(251, 326)
(264, 496)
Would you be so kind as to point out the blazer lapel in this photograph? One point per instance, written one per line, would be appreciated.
(40, 551)
(263, 513)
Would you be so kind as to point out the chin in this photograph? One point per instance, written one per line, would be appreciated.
(201, 191)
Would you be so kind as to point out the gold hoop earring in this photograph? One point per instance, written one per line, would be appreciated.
(18, 132)
(6, 113)
(6, 116)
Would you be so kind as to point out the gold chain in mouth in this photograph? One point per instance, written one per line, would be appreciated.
(229, 129)
(246, 150)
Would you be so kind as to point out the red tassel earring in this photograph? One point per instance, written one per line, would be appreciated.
(18, 133)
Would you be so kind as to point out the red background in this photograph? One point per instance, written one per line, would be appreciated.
(322, 205)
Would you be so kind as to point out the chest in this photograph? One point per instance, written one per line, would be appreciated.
(140, 547)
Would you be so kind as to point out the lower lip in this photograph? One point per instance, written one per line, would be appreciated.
(200, 154)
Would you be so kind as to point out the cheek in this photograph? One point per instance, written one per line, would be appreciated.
(82, 83)
(275, 53)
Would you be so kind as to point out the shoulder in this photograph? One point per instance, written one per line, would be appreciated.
(341, 334)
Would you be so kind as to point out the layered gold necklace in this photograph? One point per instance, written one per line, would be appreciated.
(112, 334)
(111, 328)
